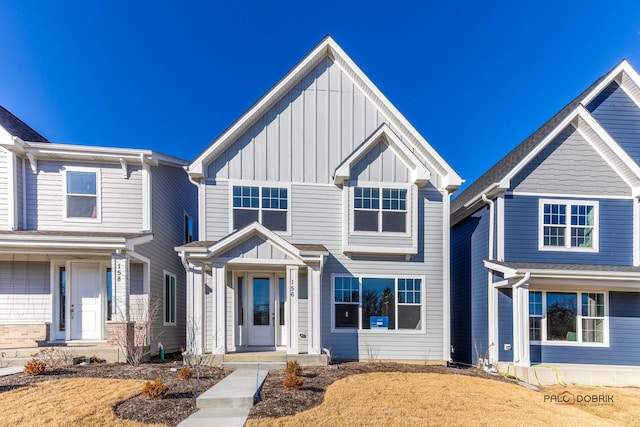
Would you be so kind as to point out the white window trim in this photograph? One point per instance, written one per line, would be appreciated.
(567, 239)
(578, 342)
(360, 329)
(97, 171)
(380, 186)
(164, 298)
(261, 184)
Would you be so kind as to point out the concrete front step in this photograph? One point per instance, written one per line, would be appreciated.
(238, 390)
(253, 366)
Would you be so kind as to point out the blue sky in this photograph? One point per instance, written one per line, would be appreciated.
(475, 78)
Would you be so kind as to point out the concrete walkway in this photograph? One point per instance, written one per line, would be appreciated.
(227, 403)
(10, 370)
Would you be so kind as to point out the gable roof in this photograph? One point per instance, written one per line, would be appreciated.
(489, 182)
(327, 48)
(16, 127)
(419, 174)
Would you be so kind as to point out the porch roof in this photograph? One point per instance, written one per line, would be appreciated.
(556, 270)
(210, 248)
(48, 241)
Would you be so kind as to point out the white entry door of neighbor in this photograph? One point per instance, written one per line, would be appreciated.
(86, 304)
(261, 311)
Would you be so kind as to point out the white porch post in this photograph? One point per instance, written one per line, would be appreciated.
(521, 351)
(195, 303)
(219, 275)
(120, 287)
(313, 281)
(292, 293)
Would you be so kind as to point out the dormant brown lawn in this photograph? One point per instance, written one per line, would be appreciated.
(409, 399)
(68, 402)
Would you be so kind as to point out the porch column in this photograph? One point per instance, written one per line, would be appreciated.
(521, 351)
(313, 334)
(292, 293)
(195, 303)
(120, 287)
(219, 275)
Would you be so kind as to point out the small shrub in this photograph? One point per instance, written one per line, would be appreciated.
(185, 373)
(155, 390)
(292, 379)
(34, 367)
(96, 359)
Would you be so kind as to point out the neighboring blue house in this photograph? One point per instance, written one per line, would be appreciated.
(545, 247)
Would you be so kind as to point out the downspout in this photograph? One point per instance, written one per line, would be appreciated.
(520, 307)
(183, 259)
(492, 303)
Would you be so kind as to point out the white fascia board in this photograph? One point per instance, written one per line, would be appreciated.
(250, 231)
(586, 119)
(431, 156)
(42, 150)
(420, 175)
(196, 167)
(506, 271)
(623, 66)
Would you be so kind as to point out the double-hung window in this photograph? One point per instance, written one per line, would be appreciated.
(380, 209)
(568, 225)
(81, 194)
(535, 315)
(568, 317)
(377, 303)
(169, 299)
(266, 205)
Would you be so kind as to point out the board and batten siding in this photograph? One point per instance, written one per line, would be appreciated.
(615, 233)
(120, 198)
(172, 196)
(25, 292)
(306, 135)
(619, 116)
(624, 345)
(570, 165)
(380, 164)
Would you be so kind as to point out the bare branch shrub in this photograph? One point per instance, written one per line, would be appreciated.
(135, 342)
(57, 357)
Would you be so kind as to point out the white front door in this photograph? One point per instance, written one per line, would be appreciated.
(261, 311)
(86, 304)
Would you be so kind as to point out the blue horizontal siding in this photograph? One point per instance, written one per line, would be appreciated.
(505, 324)
(624, 345)
(616, 234)
(469, 316)
(620, 117)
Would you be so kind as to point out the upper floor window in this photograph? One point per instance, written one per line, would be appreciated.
(566, 225)
(267, 205)
(82, 194)
(380, 209)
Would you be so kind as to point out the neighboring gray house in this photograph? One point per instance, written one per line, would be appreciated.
(86, 240)
(324, 218)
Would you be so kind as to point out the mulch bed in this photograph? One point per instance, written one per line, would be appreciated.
(275, 401)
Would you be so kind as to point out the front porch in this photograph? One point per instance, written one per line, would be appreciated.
(574, 374)
(253, 292)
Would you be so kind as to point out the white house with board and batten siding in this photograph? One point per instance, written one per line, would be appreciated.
(86, 243)
(324, 224)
